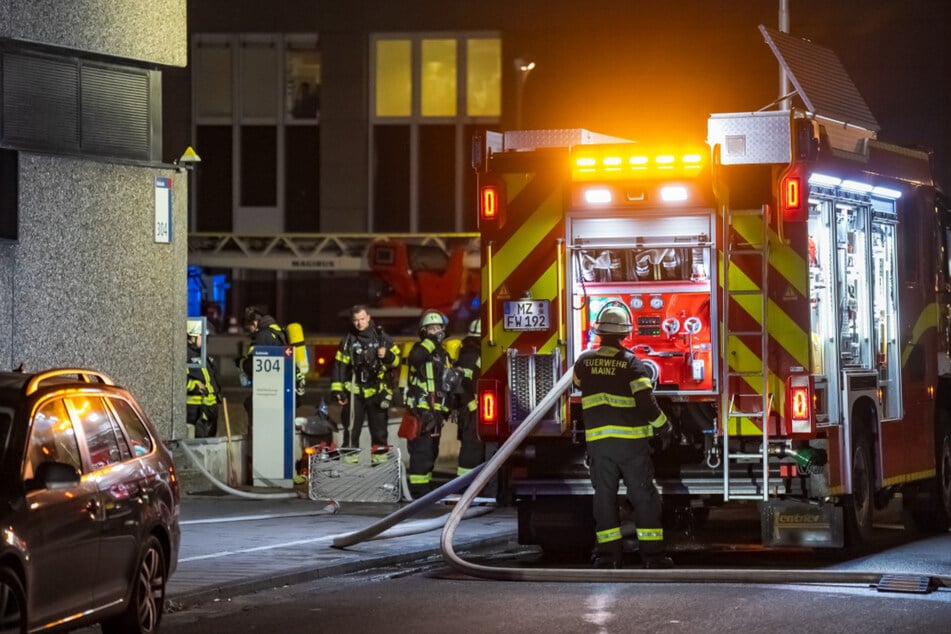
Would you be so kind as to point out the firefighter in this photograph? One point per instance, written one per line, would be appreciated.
(360, 384)
(203, 388)
(469, 365)
(264, 331)
(620, 416)
(430, 386)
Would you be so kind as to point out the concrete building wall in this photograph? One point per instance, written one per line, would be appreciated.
(85, 284)
(153, 31)
(91, 288)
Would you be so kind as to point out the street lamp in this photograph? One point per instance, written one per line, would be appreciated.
(524, 67)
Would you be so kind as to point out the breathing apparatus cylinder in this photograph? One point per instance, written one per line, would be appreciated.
(295, 337)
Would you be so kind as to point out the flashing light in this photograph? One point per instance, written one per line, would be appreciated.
(629, 161)
(673, 193)
(597, 196)
(489, 202)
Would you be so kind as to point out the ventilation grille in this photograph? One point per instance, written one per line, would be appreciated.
(73, 106)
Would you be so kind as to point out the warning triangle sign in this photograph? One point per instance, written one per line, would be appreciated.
(503, 292)
(189, 156)
(790, 293)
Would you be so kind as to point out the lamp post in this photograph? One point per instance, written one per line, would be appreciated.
(188, 160)
(524, 67)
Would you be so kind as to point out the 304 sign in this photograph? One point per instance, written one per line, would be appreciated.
(525, 314)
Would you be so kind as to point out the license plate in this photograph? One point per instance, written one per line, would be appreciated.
(525, 314)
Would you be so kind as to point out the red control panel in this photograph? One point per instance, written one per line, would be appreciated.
(671, 330)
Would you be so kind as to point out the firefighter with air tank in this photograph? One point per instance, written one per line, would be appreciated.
(469, 365)
(430, 385)
(620, 417)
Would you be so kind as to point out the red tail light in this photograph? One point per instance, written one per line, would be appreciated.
(490, 202)
(488, 405)
(799, 414)
(793, 195)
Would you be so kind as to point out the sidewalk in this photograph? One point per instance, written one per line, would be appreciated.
(232, 546)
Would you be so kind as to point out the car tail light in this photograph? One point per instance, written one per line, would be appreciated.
(488, 409)
(799, 410)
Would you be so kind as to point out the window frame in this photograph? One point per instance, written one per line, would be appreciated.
(460, 122)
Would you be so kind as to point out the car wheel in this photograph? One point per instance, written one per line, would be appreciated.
(12, 603)
(147, 597)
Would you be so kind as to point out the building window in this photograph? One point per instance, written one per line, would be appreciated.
(431, 93)
(254, 95)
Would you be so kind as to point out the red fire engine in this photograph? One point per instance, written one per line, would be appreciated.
(789, 283)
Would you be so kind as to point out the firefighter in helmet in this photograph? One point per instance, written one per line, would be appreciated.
(620, 416)
(202, 387)
(430, 384)
(360, 385)
(469, 365)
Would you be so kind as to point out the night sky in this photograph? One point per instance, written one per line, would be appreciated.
(652, 71)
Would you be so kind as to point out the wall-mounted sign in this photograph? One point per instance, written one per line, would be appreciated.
(163, 210)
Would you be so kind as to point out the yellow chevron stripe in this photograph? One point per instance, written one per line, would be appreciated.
(780, 325)
(511, 254)
(544, 287)
(927, 320)
(743, 359)
(782, 257)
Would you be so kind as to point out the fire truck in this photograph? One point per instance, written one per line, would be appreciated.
(789, 285)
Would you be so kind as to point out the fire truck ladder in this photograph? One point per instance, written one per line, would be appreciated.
(753, 298)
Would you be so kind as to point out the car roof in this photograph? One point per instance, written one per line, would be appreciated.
(28, 383)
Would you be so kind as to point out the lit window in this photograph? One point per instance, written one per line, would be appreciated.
(484, 77)
(393, 78)
(438, 78)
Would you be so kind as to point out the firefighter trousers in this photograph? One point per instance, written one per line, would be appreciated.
(375, 414)
(614, 460)
(423, 451)
(471, 449)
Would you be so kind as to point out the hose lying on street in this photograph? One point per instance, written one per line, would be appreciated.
(674, 575)
(424, 526)
(237, 492)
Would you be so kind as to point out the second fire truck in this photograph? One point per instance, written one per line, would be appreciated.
(788, 282)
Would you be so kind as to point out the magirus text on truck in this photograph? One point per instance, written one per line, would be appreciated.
(789, 282)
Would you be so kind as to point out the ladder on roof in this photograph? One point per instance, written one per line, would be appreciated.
(744, 353)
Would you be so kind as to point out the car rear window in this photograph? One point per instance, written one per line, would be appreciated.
(52, 439)
(139, 436)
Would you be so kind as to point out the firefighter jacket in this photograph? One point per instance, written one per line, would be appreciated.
(430, 377)
(268, 334)
(202, 387)
(617, 398)
(469, 366)
(358, 369)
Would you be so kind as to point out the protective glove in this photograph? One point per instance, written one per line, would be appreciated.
(664, 436)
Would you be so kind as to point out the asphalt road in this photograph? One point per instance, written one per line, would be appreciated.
(427, 597)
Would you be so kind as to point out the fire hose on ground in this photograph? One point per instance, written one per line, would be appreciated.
(675, 575)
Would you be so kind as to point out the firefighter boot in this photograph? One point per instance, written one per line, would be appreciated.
(379, 454)
(607, 555)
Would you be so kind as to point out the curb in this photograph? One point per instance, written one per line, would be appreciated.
(228, 590)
